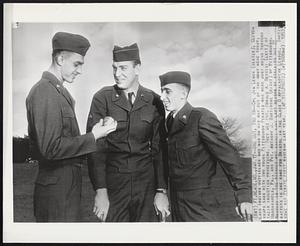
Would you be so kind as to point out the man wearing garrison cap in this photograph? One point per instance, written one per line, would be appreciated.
(54, 134)
(127, 172)
(196, 143)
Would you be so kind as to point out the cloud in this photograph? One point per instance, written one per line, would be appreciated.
(214, 53)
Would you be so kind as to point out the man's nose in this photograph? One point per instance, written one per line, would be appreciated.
(79, 70)
(117, 72)
(162, 96)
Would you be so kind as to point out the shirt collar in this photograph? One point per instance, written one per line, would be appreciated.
(134, 90)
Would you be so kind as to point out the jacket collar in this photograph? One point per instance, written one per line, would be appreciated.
(53, 80)
(143, 96)
(181, 118)
(58, 86)
(184, 113)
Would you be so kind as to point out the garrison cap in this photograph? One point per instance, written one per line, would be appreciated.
(127, 53)
(178, 77)
(70, 42)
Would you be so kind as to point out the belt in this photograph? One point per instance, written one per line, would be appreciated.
(78, 165)
(72, 161)
(114, 169)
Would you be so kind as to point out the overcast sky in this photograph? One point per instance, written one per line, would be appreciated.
(216, 54)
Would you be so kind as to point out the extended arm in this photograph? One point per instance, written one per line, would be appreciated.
(161, 202)
(219, 145)
(97, 159)
(45, 119)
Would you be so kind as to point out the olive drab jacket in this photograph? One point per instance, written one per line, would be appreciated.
(137, 142)
(52, 125)
(196, 143)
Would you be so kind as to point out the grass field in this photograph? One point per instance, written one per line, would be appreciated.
(24, 175)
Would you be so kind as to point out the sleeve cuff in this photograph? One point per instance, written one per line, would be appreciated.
(161, 190)
(243, 195)
(92, 141)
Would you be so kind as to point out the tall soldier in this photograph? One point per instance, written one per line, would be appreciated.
(196, 143)
(127, 171)
(54, 133)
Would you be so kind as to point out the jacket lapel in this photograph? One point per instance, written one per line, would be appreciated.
(181, 119)
(142, 98)
(68, 96)
(119, 98)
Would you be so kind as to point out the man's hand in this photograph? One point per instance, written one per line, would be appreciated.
(101, 205)
(244, 210)
(108, 120)
(99, 130)
(161, 205)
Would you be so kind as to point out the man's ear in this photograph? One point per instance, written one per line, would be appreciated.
(183, 93)
(59, 59)
(137, 69)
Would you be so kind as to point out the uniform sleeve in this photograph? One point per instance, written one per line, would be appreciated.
(219, 145)
(97, 159)
(45, 118)
(159, 146)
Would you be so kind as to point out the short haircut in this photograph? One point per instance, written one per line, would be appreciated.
(186, 88)
(56, 53)
(136, 62)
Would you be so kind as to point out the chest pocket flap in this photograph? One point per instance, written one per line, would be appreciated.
(188, 142)
(68, 112)
(148, 118)
(120, 116)
(147, 114)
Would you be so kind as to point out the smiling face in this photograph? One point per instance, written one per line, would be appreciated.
(71, 65)
(173, 96)
(125, 74)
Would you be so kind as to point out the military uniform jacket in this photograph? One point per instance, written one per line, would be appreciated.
(52, 124)
(196, 143)
(136, 143)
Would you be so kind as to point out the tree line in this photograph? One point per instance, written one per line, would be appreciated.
(21, 149)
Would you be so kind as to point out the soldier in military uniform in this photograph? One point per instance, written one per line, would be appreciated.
(127, 171)
(196, 142)
(54, 133)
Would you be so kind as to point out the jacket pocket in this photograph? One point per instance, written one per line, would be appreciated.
(46, 180)
(68, 118)
(147, 127)
(187, 151)
(122, 122)
(209, 198)
(204, 198)
(121, 119)
(147, 118)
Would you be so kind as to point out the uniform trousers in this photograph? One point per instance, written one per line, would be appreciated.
(57, 194)
(195, 205)
(131, 196)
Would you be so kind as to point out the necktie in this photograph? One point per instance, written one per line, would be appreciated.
(170, 120)
(130, 98)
